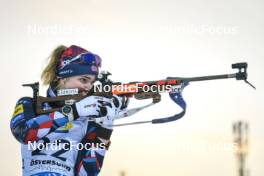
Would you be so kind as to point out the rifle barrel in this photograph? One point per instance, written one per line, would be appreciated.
(204, 78)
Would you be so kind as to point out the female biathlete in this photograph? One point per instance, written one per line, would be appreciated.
(73, 144)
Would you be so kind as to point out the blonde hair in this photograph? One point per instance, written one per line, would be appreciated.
(48, 75)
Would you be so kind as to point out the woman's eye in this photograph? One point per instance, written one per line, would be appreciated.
(84, 81)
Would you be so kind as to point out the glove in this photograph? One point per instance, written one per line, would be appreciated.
(120, 102)
(110, 110)
(90, 106)
(108, 120)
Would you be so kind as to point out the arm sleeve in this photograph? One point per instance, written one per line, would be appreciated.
(90, 159)
(27, 126)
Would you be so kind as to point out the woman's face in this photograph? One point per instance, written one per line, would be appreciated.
(84, 83)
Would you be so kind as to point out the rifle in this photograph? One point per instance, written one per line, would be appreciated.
(138, 90)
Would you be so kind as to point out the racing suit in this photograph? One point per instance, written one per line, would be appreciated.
(51, 145)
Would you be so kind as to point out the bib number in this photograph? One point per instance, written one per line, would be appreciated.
(57, 154)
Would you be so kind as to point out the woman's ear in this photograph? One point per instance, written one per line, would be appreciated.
(62, 81)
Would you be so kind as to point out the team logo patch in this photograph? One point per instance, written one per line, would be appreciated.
(68, 126)
(18, 110)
